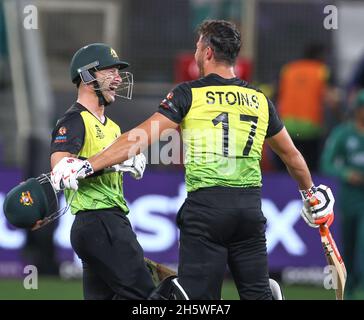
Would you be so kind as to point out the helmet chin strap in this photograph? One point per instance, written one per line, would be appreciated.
(98, 91)
(102, 100)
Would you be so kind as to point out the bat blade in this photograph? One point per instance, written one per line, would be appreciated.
(158, 271)
(334, 259)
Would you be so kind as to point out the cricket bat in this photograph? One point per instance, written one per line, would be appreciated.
(158, 271)
(334, 259)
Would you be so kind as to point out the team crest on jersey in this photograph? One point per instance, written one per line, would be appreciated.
(167, 103)
(113, 53)
(26, 199)
(99, 133)
(62, 131)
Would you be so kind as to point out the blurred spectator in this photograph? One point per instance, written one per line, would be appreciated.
(343, 157)
(303, 94)
(356, 82)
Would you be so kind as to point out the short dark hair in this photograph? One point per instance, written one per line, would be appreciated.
(223, 37)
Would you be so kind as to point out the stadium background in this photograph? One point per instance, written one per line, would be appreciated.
(156, 37)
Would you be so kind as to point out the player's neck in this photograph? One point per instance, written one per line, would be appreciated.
(91, 103)
(222, 70)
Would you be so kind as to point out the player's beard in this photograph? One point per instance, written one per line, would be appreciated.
(109, 96)
(107, 89)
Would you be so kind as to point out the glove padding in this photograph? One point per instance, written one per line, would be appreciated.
(318, 206)
(135, 166)
(66, 172)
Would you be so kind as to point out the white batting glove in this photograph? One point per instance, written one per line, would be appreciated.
(135, 166)
(66, 172)
(318, 206)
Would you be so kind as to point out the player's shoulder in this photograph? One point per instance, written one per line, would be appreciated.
(183, 87)
(254, 88)
(76, 108)
(257, 91)
(73, 114)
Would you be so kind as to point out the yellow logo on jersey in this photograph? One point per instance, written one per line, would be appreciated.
(113, 53)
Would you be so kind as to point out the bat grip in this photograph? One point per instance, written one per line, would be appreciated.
(324, 230)
(314, 201)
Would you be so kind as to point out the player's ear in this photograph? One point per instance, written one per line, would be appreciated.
(209, 53)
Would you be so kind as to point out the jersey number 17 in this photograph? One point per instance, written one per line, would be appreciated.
(224, 119)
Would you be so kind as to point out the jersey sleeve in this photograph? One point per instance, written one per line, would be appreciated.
(68, 135)
(177, 103)
(275, 124)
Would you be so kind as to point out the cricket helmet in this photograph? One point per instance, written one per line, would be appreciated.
(30, 202)
(95, 57)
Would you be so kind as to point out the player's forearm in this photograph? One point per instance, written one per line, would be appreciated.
(297, 168)
(283, 146)
(133, 142)
(58, 156)
(123, 148)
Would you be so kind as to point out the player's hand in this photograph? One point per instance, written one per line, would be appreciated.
(318, 206)
(66, 172)
(135, 166)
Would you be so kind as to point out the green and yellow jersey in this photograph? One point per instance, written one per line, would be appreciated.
(224, 123)
(79, 132)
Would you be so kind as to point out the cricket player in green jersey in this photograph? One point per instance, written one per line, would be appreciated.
(343, 158)
(101, 235)
(224, 122)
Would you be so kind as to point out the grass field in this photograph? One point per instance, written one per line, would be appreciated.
(56, 289)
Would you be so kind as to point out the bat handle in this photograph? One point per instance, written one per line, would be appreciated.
(314, 201)
(324, 230)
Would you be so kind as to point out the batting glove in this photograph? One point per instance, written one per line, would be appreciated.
(67, 171)
(318, 206)
(135, 166)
